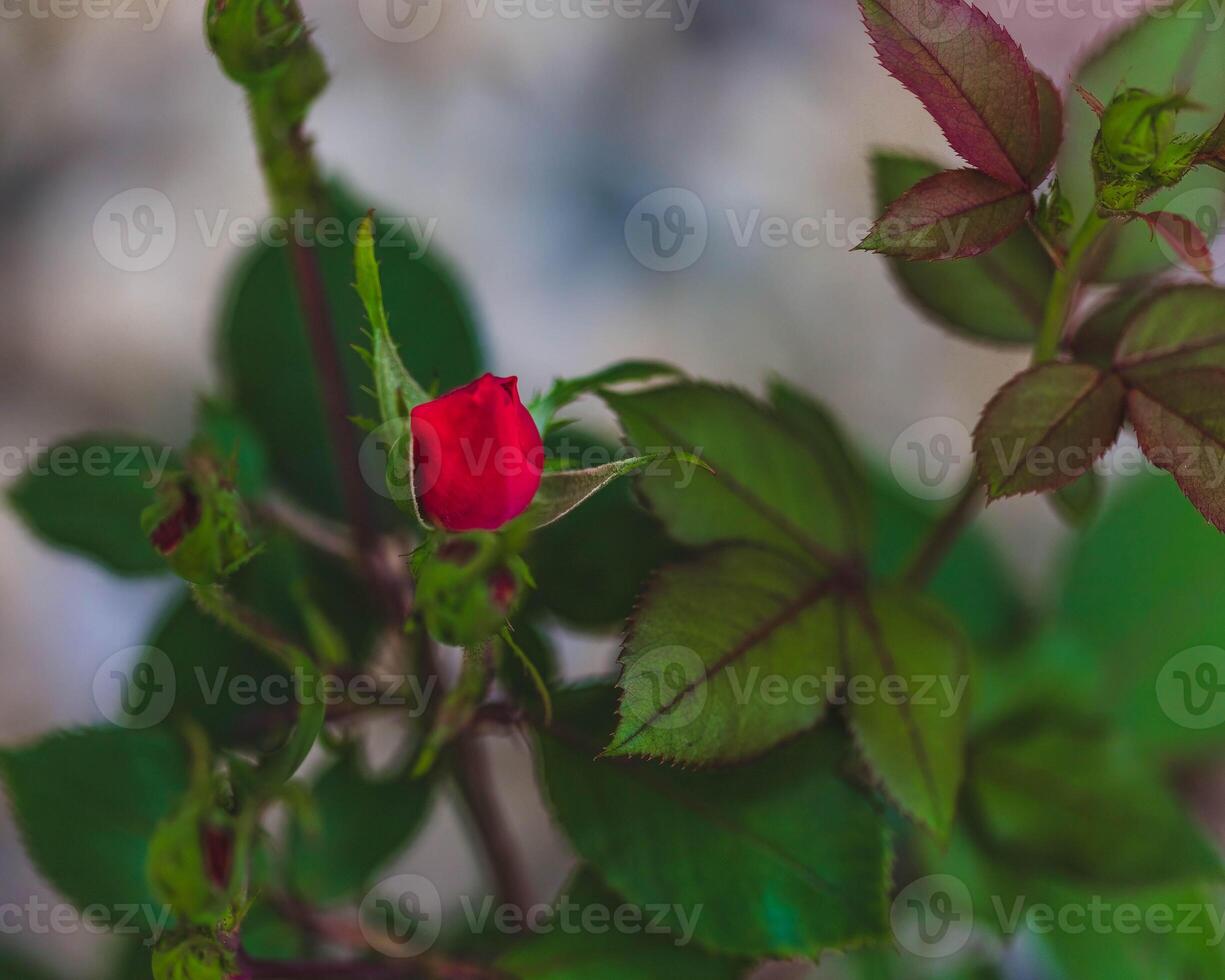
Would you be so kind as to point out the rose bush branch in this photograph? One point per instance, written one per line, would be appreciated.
(786, 646)
(266, 48)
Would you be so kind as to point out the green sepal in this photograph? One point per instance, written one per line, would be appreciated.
(196, 522)
(177, 862)
(545, 406)
(561, 491)
(397, 391)
(469, 585)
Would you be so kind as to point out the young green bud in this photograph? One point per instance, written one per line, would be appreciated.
(1137, 126)
(468, 587)
(197, 524)
(191, 864)
(253, 39)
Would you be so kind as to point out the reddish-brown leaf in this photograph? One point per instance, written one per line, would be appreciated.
(1184, 236)
(970, 75)
(1050, 123)
(1046, 428)
(1173, 359)
(952, 215)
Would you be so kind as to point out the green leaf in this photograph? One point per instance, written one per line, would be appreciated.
(1032, 780)
(1096, 340)
(769, 488)
(1173, 48)
(134, 961)
(86, 496)
(1078, 502)
(363, 822)
(956, 214)
(220, 679)
(786, 857)
(1142, 954)
(121, 783)
(997, 297)
(561, 491)
(728, 655)
(886, 964)
(595, 586)
(1140, 589)
(1046, 428)
(229, 438)
(267, 361)
(1172, 357)
(546, 405)
(16, 967)
(913, 741)
(569, 952)
(825, 439)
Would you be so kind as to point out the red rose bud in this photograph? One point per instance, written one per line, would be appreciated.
(503, 589)
(477, 456)
(217, 844)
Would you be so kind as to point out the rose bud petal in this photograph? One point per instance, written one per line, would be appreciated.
(217, 844)
(477, 456)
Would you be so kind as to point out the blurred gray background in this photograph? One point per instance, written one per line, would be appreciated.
(528, 141)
